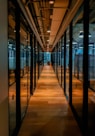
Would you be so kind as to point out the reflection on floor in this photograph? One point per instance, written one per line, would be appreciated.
(49, 113)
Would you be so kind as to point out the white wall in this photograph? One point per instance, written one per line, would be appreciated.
(3, 69)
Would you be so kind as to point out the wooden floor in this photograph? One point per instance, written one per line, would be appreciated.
(48, 112)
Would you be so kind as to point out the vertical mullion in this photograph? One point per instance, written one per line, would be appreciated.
(70, 66)
(27, 68)
(57, 60)
(54, 59)
(65, 63)
(18, 104)
(61, 61)
(35, 61)
(38, 60)
(85, 66)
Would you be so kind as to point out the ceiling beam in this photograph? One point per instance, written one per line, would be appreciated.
(30, 21)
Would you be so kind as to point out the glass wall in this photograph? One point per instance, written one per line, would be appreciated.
(25, 50)
(77, 64)
(37, 63)
(34, 65)
(25, 59)
(60, 72)
(12, 66)
(79, 91)
(28, 73)
(25, 64)
(58, 60)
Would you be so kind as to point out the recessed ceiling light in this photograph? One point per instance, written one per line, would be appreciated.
(51, 2)
(48, 31)
(27, 40)
(14, 31)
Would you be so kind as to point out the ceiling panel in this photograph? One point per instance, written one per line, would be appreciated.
(59, 10)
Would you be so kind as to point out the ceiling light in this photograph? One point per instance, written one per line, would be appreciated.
(27, 40)
(81, 34)
(48, 31)
(51, 2)
(81, 47)
(89, 35)
(74, 42)
(14, 31)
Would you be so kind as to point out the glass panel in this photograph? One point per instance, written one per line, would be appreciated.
(36, 53)
(67, 62)
(24, 64)
(41, 59)
(77, 64)
(58, 67)
(34, 66)
(12, 66)
(56, 59)
(29, 66)
(62, 60)
(59, 62)
(47, 58)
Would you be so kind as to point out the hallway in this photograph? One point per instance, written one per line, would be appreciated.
(48, 112)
